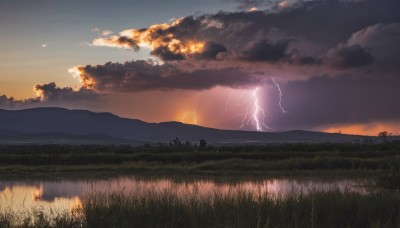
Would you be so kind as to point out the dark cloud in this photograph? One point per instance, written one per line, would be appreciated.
(265, 50)
(350, 56)
(305, 39)
(143, 75)
(165, 54)
(383, 42)
(309, 25)
(10, 102)
(211, 50)
(270, 5)
(344, 56)
(323, 101)
(50, 92)
(129, 42)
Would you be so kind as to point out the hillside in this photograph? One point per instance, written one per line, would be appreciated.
(83, 125)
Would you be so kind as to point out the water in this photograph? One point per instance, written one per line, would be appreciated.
(47, 195)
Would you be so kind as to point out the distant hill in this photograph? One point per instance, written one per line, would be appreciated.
(81, 126)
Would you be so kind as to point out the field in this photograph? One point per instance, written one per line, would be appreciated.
(163, 159)
(377, 206)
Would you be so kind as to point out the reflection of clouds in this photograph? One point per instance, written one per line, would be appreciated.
(61, 189)
(37, 194)
(67, 193)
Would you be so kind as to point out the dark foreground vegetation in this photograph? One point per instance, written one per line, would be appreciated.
(317, 209)
(370, 208)
(187, 159)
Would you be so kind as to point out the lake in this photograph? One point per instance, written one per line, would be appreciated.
(60, 195)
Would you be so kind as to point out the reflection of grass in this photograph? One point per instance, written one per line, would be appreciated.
(38, 218)
(318, 209)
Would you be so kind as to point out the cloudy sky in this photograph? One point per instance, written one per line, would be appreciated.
(266, 65)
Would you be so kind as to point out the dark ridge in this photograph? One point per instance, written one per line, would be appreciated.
(46, 122)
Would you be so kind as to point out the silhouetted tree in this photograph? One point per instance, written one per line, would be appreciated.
(383, 136)
(177, 142)
(203, 143)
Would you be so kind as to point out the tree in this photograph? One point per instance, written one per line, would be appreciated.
(383, 136)
(177, 142)
(203, 143)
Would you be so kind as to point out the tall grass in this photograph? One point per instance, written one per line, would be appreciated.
(317, 209)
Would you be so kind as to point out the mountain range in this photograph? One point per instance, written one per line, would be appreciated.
(60, 125)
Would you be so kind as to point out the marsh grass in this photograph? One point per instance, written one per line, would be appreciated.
(331, 208)
(38, 217)
(18, 161)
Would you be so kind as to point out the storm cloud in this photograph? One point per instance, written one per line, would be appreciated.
(326, 101)
(11, 103)
(307, 28)
(143, 75)
(49, 94)
(338, 62)
(350, 56)
(226, 49)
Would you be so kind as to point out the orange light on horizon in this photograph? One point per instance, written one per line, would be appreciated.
(370, 129)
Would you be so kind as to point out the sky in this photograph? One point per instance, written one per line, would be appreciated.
(255, 65)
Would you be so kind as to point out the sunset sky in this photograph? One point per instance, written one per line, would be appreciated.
(267, 65)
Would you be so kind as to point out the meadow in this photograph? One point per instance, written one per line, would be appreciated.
(164, 159)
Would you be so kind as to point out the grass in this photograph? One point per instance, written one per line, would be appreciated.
(333, 208)
(318, 209)
(266, 160)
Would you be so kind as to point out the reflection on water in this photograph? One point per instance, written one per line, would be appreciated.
(63, 195)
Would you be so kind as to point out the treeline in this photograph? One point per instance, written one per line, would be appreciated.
(176, 145)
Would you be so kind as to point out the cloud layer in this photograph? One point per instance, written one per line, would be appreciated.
(48, 94)
(338, 61)
(304, 40)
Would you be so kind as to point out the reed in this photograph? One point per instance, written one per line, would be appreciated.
(331, 208)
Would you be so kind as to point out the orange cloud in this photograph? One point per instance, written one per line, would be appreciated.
(158, 37)
(79, 73)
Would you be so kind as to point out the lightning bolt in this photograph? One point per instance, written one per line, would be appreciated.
(257, 111)
(244, 117)
(192, 114)
(254, 105)
(280, 96)
(228, 100)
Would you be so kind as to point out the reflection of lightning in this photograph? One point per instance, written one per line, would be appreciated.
(280, 96)
(257, 111)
